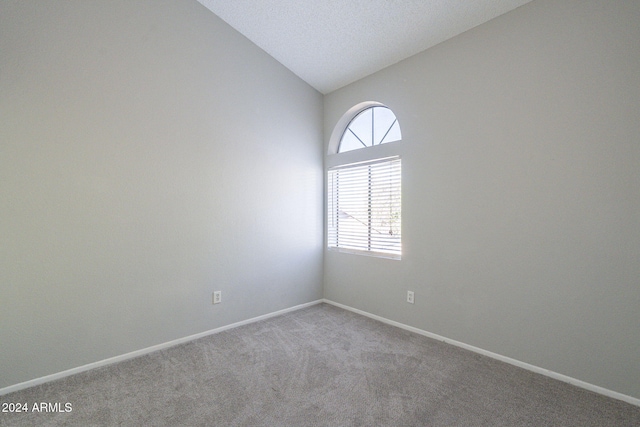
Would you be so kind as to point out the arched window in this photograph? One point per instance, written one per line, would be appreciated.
(364, 198)
(372, 126)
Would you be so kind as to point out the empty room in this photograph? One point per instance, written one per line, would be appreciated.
(320, 213)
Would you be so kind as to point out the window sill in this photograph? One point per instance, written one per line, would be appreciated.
(373, 254)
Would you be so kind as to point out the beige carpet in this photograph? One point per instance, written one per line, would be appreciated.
(320, 366)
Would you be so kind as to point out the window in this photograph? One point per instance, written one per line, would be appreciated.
(372, 126)
(364, 198)
(364, 207)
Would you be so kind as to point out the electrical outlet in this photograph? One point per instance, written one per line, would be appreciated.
(217, 297)
(410, 297)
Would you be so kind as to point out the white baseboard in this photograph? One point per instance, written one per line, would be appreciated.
(131, 355)
(527, 366)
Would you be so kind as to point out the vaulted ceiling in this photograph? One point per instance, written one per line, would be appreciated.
(332, 43)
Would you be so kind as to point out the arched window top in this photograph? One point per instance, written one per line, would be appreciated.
(365, 125)
(372, 126)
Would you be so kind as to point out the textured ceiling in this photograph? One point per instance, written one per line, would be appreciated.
(332, 43)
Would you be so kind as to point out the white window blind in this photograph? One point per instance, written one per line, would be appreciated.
(364, 207)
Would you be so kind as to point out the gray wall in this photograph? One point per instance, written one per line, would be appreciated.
(149, 155)
(521, 201)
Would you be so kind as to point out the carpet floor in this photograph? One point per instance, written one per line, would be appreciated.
(319, 366)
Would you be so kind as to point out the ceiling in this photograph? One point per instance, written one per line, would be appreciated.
(332, 43)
